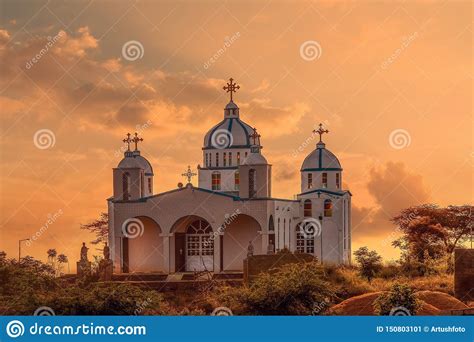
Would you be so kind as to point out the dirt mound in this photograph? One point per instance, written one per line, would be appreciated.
(441, 300)
(432, 303)
(356, 306)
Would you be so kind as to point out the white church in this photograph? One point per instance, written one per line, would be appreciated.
(213, 227)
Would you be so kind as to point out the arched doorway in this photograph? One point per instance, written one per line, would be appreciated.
(193, 245)
(237, 236)
(142, 245)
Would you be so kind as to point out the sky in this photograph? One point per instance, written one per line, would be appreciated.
(391, 80)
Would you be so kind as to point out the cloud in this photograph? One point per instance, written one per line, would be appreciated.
(393, 188)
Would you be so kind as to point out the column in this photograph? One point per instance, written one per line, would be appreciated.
(166, 251)
(217, 252)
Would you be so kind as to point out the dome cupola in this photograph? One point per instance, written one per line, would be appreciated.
(321, 169)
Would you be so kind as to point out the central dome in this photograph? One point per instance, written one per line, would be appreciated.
(230, 132)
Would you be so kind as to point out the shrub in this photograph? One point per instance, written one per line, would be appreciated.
(399, 300)
(295, 289)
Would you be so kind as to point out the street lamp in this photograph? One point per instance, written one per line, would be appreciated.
(19, 247)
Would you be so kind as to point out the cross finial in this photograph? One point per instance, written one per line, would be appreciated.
(127, 141)
(189, 174)
(320, 131)
(136, 139)
(231, 87)
(255, 136)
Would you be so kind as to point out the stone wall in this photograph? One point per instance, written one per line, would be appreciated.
(464, 274)
(269, 263)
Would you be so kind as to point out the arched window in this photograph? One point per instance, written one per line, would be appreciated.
(338, 180)
(126, 186)
(238, 158)
(284, 234)
(308, 208)
(324, 180)
(207, 159)
(224, 159)
(252, 182)
(142, 184)
(216, 180)
(230, 158)
(150, 188)
(271, 224)
(236, 180)
(327, 208)
(217, 159)
(310, 180)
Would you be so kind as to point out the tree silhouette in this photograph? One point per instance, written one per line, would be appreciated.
(99, 227)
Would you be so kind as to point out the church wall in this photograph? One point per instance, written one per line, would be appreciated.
(227, 179)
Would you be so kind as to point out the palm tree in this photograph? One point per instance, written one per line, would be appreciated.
(52, 257)
(63, 259)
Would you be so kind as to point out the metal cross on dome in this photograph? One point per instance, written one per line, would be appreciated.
(136, 139)
(231, 88)
(255, 136)
(189, 174)
(320, 131)
(127, 141)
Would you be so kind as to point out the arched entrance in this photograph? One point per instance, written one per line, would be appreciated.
(193, 245)
(237, 235)
(142, 245)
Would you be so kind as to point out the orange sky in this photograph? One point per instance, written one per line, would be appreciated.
(380, 67)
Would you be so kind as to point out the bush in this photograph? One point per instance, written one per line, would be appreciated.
(295, 289)
(400, 300)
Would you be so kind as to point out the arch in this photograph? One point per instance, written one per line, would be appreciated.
(252, 182)
(192, 244)
(308, 208)
(271, 224)
(143, 248)
(324, 180)
(126, 186)
(237, 234)
(327, 208)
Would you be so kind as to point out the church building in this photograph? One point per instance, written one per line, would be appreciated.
(231, 213)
